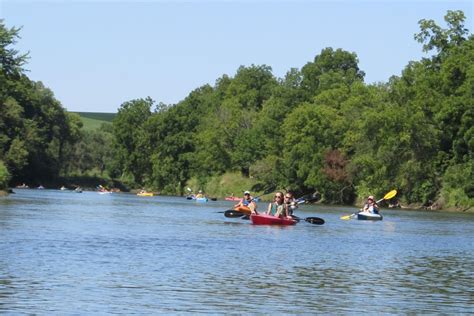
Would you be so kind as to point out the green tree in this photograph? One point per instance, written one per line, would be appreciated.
(433, 37)
(11, 61)
(311, 131)
(34, 127)
(330, 69)
(131, 138)
(4, 176)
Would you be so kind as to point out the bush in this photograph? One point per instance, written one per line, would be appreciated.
(458, 185)
(4, 176)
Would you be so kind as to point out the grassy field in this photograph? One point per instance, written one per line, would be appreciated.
(227, 184)
(93, 120)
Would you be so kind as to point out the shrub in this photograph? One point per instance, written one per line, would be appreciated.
(4, 176)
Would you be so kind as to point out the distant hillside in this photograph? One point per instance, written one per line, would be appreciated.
(93, 120)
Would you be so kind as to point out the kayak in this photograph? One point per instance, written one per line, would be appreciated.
(264, 219)
(369, 216)
(201, 199)
(145, 193)
(232, 198)
(243, 209)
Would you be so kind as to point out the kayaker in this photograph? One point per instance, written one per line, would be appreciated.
(278, 208)
(290, 202)
(247, 201)
(371, 206)
(199, 195)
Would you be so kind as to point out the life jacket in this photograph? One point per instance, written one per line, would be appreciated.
(246, 202)
(277, 208)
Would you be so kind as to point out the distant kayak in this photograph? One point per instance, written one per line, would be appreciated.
(232, 198)
(201, 199)
(145, 194)
(369, 216)
(264, 219)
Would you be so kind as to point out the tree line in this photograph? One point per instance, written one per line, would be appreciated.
(320, 128)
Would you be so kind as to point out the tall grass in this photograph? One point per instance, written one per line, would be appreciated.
(226, 185)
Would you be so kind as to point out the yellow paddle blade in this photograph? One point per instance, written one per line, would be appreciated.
(346, 217)
(390, 195)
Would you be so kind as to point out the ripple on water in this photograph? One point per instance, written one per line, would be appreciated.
(86, 253)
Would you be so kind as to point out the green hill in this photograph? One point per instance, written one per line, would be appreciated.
(93, 120)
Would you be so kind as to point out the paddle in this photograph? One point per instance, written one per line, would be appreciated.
(305, 199)
(189, 197)
(311, 220)
(387, 196)
(233, 214)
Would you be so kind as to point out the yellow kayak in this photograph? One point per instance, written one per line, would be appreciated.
(145, 194)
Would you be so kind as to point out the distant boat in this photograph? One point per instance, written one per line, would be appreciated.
(40, 187)
(144, 193)
(232, 198)
(63, 188)
(103, 190)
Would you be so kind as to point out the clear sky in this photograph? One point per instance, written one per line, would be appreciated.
(95, 55)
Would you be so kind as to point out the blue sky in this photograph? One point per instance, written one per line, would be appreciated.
(95, 55)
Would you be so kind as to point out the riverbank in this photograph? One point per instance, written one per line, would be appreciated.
(89, 183)
(234, 184)
(436, 208)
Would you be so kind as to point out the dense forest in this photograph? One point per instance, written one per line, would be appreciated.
(320, 128)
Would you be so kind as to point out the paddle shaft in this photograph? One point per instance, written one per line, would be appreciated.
(311, 220)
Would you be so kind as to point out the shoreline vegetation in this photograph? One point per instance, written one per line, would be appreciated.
(412, 207)
(220, 187)
(320, 128)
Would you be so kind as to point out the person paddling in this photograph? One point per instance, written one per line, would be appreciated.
(290, 202)
(200, 195)
(247, 202)
(371, 206)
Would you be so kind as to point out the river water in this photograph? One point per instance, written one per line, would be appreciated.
(70, 253)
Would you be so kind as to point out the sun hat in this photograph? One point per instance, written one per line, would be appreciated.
(247, 192)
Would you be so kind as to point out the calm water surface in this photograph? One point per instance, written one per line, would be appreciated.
(69, 253)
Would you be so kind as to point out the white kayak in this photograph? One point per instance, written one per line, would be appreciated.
(369, 216)
(104, 192)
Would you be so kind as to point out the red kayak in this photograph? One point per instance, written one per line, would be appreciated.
(264, 219)
(232, 198)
